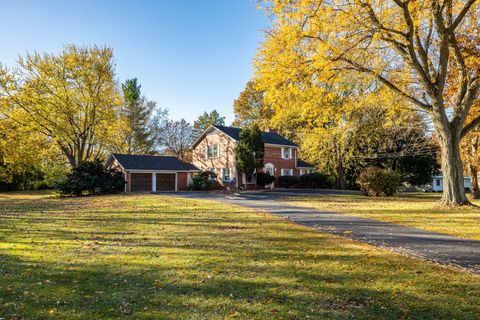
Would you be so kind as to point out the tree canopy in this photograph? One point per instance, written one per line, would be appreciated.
(142, 119)
(404, 46)
(70, 99)
(205, 120)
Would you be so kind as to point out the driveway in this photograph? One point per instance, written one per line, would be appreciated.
(433, 246)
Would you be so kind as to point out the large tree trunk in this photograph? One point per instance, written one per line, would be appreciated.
(474, 181)
(340, 180)
(452, 169)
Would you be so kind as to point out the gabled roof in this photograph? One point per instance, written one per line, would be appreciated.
(268, 137)
(303, 164)
(154, 163)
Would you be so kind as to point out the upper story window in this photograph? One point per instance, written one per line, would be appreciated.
(287, 153)
(213, 151)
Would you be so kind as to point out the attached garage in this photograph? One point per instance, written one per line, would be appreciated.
(141, 182)
(152, 173)
(165, 181)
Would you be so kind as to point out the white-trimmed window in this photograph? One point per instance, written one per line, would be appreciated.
(249, 178)
(227, 174)
(212, 151)
(286, 153)
(287, 172)
(214, 175)
(306, 171)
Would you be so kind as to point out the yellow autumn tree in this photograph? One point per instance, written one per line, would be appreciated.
(406, 46)
(70, 99)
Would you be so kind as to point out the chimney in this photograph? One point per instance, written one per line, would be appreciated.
(271, 130)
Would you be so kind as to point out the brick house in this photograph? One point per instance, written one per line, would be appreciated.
(215, 150)
(152, 173)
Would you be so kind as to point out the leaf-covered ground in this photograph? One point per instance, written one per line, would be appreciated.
(155, 257)
(420, 210)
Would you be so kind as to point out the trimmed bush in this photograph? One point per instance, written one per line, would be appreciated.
(316, 180)
(376, 181)
(202, 181)
(264, 178)
(91, 178)
(288, 181)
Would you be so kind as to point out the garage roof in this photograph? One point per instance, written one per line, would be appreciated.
(154, 163)
(304, 164)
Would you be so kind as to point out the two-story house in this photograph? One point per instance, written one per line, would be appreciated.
(215, 150)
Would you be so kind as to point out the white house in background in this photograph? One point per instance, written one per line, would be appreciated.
(437, 184)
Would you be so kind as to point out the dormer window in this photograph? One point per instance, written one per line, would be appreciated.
(213, 151)
(286, 153)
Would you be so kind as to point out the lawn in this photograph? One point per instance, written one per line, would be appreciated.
(156, 257)
(419, 210)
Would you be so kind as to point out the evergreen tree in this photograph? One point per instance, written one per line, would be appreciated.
(249, 152)
(138, 113)
(205, 120)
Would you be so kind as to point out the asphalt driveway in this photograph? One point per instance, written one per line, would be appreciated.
(438, 247)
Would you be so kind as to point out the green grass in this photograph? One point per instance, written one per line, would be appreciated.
(420, 210)
(155, 257)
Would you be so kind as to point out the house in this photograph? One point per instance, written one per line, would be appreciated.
(215, 150)
(437, 185)
(152, 173)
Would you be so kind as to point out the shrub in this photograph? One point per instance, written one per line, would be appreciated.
(288, 181)
(91, 178)
(202, 181)
(264, 178)
(316, 180)
(377, 181)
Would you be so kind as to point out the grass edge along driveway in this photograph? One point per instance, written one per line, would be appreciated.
(150, 256)
(419, 210)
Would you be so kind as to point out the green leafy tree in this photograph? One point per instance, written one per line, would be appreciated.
(249, 151)
(205, 120)
(141, 119)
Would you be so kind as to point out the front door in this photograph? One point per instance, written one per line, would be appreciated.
(269, 168)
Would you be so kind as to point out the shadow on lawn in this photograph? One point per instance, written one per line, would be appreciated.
(184, 266)
(38, 290)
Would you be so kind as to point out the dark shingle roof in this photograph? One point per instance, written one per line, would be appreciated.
(268, 137)
(138, 162)
(303, 164)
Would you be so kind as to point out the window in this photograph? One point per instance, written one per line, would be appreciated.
(250, 178)
(213, 151)
(306, 171)
(438, 182)
(214, 175)
(287, 172)
(226, 174)
(286, 153)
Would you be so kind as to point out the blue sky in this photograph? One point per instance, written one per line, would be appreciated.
(189, 55)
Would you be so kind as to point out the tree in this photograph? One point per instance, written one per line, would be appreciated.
(141, 119)
(71, 99)
(206, 120)
(405, 46)
(250, 108)
(177, 137)
(249, 151)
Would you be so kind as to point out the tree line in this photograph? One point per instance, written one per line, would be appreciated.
(59, 110)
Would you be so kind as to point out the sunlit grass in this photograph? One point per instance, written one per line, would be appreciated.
(155, 257)
(421, 210)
